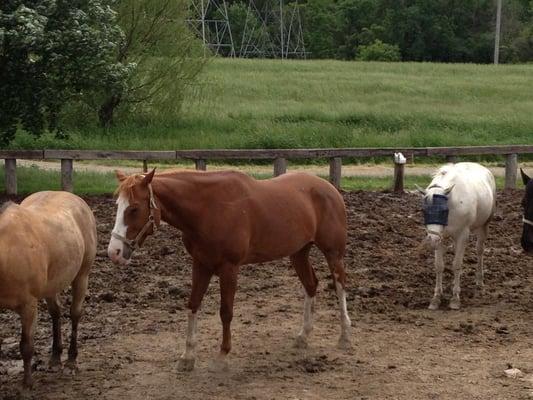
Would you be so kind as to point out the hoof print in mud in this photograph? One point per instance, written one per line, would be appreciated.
(186, 364)
(300, 343)
(218, 365)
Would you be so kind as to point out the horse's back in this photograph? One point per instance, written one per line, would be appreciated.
(303, 206)
(474, 194)
(65, 228)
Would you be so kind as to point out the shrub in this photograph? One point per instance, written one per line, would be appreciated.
(379, 51)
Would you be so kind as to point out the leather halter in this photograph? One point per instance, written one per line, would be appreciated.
(527, 221)
(134, 244)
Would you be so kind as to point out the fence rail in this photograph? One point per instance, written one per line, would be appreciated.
(278, 156)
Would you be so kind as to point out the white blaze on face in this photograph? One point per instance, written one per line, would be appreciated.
(115, 250)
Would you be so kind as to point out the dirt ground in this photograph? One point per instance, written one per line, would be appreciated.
(134, 328)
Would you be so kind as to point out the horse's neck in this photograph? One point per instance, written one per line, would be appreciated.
(177, 202)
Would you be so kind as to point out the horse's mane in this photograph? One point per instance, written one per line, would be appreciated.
(127, 184)
(446, 172)
(5, 206)
(130, 181)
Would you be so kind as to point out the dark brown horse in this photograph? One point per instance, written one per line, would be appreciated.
(229, 219)
(527, 203)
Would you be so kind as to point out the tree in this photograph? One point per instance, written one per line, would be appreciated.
(52, 52)
(166, 56)
(319, 20)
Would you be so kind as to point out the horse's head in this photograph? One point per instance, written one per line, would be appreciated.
(137, 215)
(436, 211)
(527, 203)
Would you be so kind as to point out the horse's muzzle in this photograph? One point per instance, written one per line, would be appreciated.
(119, 253)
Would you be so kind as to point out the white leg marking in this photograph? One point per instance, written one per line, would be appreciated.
(309, 307)
(345, 319)
(307, 326)
(190, 342)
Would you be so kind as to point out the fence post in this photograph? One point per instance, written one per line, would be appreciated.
(511, 167)
(280, 166)
(10, 170)
(399, 168)
(145, 166)
(66, 175)
(200, 164)
(335, 167)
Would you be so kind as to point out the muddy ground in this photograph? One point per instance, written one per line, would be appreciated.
(133, 330)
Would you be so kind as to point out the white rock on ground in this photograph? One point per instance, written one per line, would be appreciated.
(513, 373)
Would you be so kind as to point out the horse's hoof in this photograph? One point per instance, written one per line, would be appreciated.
(25, 392)
(54, 365)
(344, 343)
(300, 342)
(434, 304)
(219, 364)
(70, 368)
(186, 364)
(455, 304)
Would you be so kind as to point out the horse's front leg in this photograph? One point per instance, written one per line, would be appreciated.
(28, 318)
(439, 268)
(228, 286)
(460, 245)
(201, 277)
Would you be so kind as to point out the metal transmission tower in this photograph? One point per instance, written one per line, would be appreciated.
(209, 19)
(274, 31)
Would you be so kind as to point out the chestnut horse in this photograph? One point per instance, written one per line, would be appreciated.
(229, 219)
(48, 242)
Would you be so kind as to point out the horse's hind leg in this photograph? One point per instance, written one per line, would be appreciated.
(482, 234)
(338, 273)
(228, 286)
(304, 270)
(57, 344)
(28, 317)
(79, 288)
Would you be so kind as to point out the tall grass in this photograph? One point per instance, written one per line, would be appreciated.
(285, 104)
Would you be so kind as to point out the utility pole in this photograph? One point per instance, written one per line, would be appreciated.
(498, 30)
(281, 26)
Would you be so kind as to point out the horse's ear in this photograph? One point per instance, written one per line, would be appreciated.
(448, 190)
(148, 177)
(121, 176)
(525, 178)
(420, 190)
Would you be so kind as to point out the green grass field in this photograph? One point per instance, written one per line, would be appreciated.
(31, 179)
(286, 104)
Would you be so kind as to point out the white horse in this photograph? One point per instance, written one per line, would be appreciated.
(460, 199)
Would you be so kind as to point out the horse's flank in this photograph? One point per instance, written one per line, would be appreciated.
(45, 240)
(5, 206)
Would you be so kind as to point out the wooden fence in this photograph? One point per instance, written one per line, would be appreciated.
(278, 156)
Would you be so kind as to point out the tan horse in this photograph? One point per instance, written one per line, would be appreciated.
(48, 242)
(229, 219)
